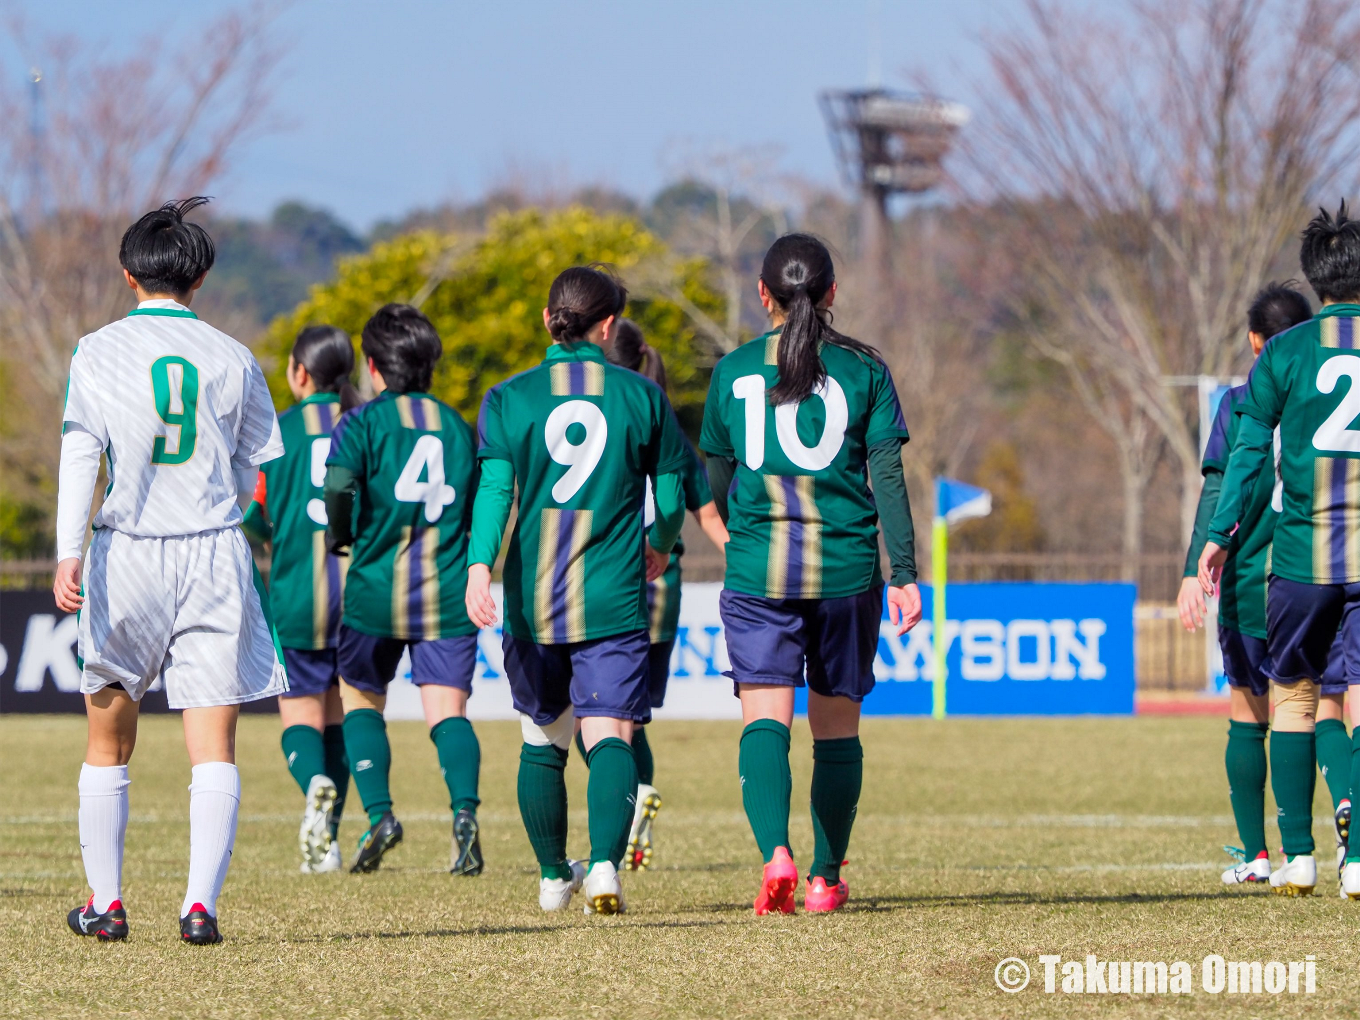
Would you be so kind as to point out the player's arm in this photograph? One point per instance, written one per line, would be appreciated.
(899, 533)
(711, 522)
(490, 515)
(255, 523)
(1190, 601)
(77, 475)
(339, 493)
(721, 471)
(670, 518)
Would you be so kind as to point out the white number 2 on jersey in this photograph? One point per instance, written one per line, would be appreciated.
(321, 449)
(426, 459)
(580, 459)
(750, 389)
(1335, 433)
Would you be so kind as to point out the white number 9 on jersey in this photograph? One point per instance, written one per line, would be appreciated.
(582, 458)
(428, 459)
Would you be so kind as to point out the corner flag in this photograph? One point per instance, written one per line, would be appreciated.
(955, 501)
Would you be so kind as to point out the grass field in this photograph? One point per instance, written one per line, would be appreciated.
(976, 840)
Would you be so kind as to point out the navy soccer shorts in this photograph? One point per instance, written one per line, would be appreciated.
(310, 671)
(370, 663)
(827, 644)
(1313, 632)
(604, 677)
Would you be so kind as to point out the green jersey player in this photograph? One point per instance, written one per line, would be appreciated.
(581, 437)
(1304, 382)
(797, 424)
(400, 482)
(305, 583)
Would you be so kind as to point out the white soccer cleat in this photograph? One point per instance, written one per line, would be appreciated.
(556, 893)
(638, 854)
(604, 891)
(1296, 877)
(314, 836)
(1350, 881)
(331, 862)
(1248, 872)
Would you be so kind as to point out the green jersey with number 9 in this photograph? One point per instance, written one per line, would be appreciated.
(582, 436)
(801, 516)
(415, 462)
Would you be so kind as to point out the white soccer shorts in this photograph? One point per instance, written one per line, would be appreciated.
(186, 609)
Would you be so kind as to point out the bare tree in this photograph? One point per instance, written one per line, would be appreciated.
(1158, 162)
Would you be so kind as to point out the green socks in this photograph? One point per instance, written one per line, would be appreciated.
(610, 796)
(337, 767)
(370, 757)
(766, 783)
(543, 806)
(1334, 758)
(1353, 854)
(1245, 759)
(305, 752)
(642, 751)
(460, 760)
(837, 774)
(1293, 774)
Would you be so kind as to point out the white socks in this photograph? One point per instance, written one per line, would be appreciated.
(214, 797)
(103, 826)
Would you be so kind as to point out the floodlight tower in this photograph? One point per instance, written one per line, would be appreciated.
(888, 143)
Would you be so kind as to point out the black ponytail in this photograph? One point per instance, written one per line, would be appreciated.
(629, 350)
(579, 298)
(328, 356)
(798, 273)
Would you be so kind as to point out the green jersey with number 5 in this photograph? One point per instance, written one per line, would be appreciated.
(801, 515)
(582, 436)
(1307, 381)
(415, 460)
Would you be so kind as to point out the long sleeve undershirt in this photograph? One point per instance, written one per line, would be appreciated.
(1204, 513)
(76, 479)
(1250, 452)
(339, 493)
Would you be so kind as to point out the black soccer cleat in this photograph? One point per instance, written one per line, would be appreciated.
(374, 843)
(110, 926)
(467, 844)
(1342, 823)
(199, 928)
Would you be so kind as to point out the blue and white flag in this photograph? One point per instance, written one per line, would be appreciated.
(957, 501)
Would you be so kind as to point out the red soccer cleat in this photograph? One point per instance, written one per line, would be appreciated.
(821, 898)
(778, 884)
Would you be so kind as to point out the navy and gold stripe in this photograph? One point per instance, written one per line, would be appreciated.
(560, 580)
(415, 586)
(419, 413)
(1337, 331)
(795, 567)
(577, 379)
(1336, 519)
(659, 597)
(319, 419)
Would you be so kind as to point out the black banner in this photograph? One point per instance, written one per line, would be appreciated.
(38, 667)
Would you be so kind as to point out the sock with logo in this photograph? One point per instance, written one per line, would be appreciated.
(766, 783)
(543, 806)
(1245, 760)
(214, 799)
(337, 767)
(1333, 747)
(642, 751)
(837, 774)
(1293, 776)
(103, 826)
(305, 751)
(611, 795)
(460, 760)
(370, 757)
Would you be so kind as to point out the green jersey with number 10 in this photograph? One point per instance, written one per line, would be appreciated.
(801, 516)
(415, 459)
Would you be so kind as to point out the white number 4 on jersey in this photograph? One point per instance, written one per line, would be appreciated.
(426, 459)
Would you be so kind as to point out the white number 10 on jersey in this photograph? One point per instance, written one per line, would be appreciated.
(750, 389)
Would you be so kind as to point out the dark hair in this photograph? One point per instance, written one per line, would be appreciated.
(1330, 255)
(404, 346)
(798, 272)
(1277, 307)
(630, 350)
(164, 254)
(579, 298)
(328, 355)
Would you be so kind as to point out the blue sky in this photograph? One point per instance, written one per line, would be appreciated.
(405, 103)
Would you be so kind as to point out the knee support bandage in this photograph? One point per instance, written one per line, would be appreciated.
(1295, 706)
(559, 732)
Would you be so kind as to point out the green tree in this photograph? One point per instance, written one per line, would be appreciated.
(485, 296)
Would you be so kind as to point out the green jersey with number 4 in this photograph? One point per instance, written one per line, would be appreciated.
(415, 461)
(801, 515)
(583, 437)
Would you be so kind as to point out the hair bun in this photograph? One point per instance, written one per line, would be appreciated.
(566, 325)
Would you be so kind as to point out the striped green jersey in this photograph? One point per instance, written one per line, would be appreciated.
(416, 463)
(801, 516)
(663, 594)
(583, 436)
(305, 581)
(1307, 381)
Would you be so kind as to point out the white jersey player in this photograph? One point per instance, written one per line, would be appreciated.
(183, 416)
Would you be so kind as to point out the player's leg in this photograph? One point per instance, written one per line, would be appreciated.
(539, 678)
(609, 695)
(1244, 758)
(367, 665)
(638, 851)
(337, 765)
(1332, 742)
(1350, 647)
(443, 669)
(766, 642)
(842, 642)
(214, 803)
(303, 715)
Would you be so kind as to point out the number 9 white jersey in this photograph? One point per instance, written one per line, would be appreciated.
(177, 405)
